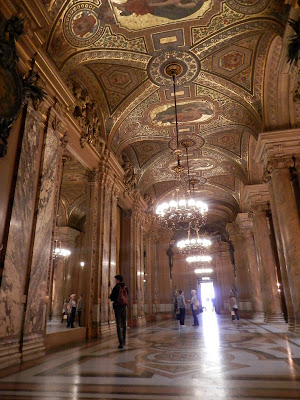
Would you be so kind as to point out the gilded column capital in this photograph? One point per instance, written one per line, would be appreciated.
(245, 223)
(275, 149)
(234, 231)
(284, 162)
(91, 175)
(223, 247)
(257, 196)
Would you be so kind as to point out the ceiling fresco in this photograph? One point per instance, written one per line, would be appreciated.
(116, 52)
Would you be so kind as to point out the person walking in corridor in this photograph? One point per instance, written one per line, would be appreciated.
(233, 305)
(119, 296)
(195, 307)
(182, 306)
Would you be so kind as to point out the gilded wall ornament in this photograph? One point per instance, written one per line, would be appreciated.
(14, 89)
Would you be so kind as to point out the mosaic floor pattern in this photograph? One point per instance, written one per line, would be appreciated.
(220, 359)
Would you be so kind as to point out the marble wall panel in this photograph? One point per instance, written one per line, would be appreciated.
(105, 256)
(19, 238)
(41, 255)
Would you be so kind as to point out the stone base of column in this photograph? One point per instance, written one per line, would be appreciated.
(245, 305)
(291, 323)
(33, 347)
(297, 328)
(258, 317)
(9, 353)
(141, 321)
(275, 319)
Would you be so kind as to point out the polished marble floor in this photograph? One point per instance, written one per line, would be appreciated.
(220, 359)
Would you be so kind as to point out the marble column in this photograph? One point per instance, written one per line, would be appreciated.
(242, 269)
(289, 224)
(227, 279)
(283, 269)
(148, 277)
(276, 151)
(267, 267)
(91, 255)
(155, 272)
(113, 249)
(246, 226)
(13, 291)
(41, 259)
(58, 291)
(105, 207)
(126, 259)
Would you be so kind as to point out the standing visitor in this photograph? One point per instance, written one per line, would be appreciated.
(119, 296)
(64, 314)
(175, 295)
(182, 306)
(79, 306)
(233, 305)
(195, 307)
(72, 305)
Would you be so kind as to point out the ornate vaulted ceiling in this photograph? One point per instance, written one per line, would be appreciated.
(116, 52)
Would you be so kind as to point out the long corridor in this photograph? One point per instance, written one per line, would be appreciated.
(220, 359)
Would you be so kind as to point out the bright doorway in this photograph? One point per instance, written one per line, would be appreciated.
(207, 295)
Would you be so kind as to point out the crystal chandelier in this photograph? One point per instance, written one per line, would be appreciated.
(182, 211)
(203, 271)
(59, 252)
(191, 244)
(201, 258)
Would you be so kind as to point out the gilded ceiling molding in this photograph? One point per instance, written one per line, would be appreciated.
(250, 8)
(220, 39)
(130, 58)
(271, 86)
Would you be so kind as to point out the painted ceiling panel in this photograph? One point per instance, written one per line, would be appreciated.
(117, 52)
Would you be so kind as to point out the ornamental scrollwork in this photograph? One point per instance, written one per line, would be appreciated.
(16, 89)
(130, 179)
(86, 113)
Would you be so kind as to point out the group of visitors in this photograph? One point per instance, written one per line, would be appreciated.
(180, 306)
(69, 310)
(119, 297)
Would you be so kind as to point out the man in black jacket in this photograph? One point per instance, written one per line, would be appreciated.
(119, 309)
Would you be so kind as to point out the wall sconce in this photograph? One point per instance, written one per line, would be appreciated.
(82, 264)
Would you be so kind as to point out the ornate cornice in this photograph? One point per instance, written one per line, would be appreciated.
(277, 145)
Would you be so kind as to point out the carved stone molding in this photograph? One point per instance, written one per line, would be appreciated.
(278, 145)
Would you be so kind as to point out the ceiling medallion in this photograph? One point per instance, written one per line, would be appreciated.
(82, 24)
(184, 63)
(195, 142)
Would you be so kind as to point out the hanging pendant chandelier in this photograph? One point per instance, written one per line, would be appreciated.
(59, 252)
(193, 244)
(201, 258)
(183, 211)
